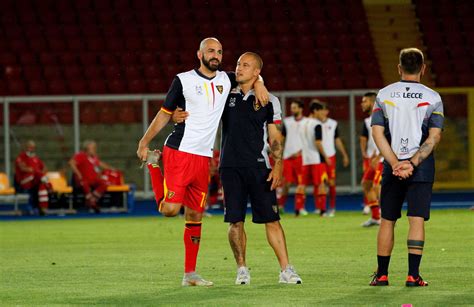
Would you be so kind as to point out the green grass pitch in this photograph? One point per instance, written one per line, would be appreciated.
(139, 261)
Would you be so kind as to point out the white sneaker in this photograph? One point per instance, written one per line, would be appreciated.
(289, 276)
(371, 222)
(366, 210)
(317, 211)
(332, 213)
(303, 212)
(243, 276)
(194, 279)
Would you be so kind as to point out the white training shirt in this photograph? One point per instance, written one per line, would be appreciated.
(329, 134)
(204, 98)
(292, 130)
(310, 152)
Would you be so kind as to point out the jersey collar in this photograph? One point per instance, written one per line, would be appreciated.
(409, 81)
(203, 76)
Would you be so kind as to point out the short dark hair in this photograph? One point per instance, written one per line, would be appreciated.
(411, 60)
(318, 105)
(371, 95)
(300, 103)
(257, 58)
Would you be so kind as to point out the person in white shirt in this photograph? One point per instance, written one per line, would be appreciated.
(188, 149)
(292, 159)
(407, 121)
(327, 139)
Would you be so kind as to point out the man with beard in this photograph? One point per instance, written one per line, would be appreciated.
(373, 163)
(201, 92)
(30, 175)
(292, 158)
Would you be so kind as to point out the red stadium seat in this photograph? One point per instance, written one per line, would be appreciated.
(117, 86)
(78, 87)
(16, 87)
(93, 72)
(52, 72)
(132, 72)
(97, 86)
(113, 72)
(38, 87)
(32, 72)
(136, 86)
(57, 87)
(157, 86)
(26, 58)
(72, 72)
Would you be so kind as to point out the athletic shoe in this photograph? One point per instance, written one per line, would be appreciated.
(303, 212)
(289, 276)
(415, 282)
(243, 276)
(332, 213)
(366, 210)
(379, 281)
(317, 211)
(371, 222)
(194, 279)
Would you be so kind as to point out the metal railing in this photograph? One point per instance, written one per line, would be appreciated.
(351, 95)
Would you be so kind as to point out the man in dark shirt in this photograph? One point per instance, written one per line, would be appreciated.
(245, 169)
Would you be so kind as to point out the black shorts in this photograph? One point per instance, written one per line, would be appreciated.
(242, 184)
(395, 191)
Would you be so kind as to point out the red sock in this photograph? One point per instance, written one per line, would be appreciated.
(192, 237)
(374, 207)
(282, 200)
(332, 197)
(366, 201)
(156, 182)
(322, 199)
(300, 199)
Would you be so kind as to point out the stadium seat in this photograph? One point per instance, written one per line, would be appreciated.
(132, 72)
(38, 87)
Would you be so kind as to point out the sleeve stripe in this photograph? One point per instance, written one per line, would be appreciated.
(422, 104)
(166, 110)
(376, 110)
(439, 113)
(277, 122)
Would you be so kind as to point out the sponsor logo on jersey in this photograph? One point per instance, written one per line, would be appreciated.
(220, 88)
(404, 146)
(199, 90)
(275, 208)
(256, 105)
(195, 239)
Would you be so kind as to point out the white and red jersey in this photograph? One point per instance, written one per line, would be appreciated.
(204, 98)
(293, 131)
(310, 152)
(371, 149)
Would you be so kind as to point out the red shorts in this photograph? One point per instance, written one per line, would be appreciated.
(186, 178)
(331, 170)
(370, 174)
(316, 172)
(293, 170)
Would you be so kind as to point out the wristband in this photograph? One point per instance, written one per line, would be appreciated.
(412, 164)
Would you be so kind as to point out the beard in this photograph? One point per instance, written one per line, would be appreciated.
(211, 67)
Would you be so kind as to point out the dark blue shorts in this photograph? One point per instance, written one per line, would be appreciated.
(243, 184)
(395, 191)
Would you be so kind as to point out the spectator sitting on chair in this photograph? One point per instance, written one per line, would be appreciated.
(30, 175)
(87, 166)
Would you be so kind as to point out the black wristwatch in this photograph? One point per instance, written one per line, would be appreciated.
(413, 164)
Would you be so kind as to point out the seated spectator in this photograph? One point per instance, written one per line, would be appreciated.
(30, 175)
(87, 166)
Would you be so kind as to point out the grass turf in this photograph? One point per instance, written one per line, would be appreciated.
(139, 261)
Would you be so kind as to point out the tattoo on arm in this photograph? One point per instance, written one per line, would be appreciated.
(277, 150)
